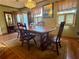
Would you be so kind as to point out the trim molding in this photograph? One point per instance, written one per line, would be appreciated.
(8, 6)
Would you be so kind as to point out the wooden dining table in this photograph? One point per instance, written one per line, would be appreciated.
(43, 32)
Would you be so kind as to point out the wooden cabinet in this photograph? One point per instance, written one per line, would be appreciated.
(11, 29)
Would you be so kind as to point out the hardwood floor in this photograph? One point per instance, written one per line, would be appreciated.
(8, 37)
(72, 49)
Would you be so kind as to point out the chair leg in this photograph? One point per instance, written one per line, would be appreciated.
(57, 49)
(35, 42)
(28, 43)
(22, 43)
(18, 35)
(60, 44)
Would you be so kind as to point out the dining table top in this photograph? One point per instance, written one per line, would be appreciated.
(41, 29)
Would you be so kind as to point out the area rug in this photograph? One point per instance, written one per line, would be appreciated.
(13, 50)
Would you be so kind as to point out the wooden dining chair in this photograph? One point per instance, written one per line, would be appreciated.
(18, 29)
(56, 39)
(18, 25)
(26, 36)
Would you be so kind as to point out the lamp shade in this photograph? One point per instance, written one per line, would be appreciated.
(30, 4)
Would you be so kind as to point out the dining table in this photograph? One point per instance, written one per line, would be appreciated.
(43, 32)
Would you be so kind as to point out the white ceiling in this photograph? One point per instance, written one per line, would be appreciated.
(14, 3)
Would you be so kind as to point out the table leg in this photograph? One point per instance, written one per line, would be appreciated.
(44, 41)
(41, 42)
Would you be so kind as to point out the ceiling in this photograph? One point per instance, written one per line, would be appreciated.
(15, 3)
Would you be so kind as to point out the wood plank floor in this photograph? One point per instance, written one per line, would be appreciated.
(72, 49)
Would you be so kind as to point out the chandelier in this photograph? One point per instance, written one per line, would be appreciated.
(30, 4)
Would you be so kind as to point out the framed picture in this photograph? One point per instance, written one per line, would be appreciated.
(48, 10)
(8, 18)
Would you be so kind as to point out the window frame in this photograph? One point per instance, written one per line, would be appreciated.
(73, 18)
(65, 15)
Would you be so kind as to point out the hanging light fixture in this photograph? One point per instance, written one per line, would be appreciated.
(30, 4)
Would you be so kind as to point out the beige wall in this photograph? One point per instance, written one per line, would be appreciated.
(2, 19)
(69, 31)
(77, 19)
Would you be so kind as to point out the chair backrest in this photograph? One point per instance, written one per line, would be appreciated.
(18, 25)
(25, 26)
(20, 28)
(60, 30)
(23, 31)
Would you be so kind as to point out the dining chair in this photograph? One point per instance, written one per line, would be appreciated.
(56, 39)
(18, 25)
(26, 36)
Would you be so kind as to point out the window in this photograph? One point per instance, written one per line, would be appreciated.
(67, 11)
(25, 19)
(18, 18)
(22, 18)
(37, 15)
(60, 18)
(69, 18)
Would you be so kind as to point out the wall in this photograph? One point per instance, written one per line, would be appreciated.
(69, 31)
(77, 19)
(2, 19)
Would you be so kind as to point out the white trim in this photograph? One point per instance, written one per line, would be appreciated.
(68, 11)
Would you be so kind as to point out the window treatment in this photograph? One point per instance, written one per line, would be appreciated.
(66, 5)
